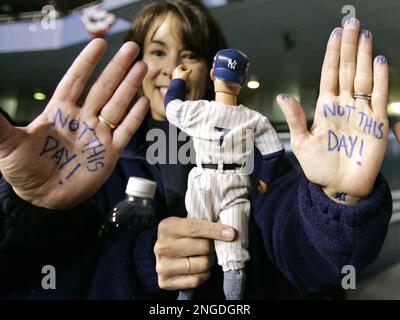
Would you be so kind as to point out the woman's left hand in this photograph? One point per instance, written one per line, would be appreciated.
(344, 149)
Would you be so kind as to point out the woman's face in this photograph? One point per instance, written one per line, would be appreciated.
(162, 53)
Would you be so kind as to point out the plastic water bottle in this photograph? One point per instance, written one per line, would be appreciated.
(135, 211)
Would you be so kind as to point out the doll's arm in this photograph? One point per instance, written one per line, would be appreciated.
(182, 114)
(176, 91)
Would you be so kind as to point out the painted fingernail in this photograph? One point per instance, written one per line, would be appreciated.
(365, 34)
(351, 22)
(381, 59)
(228, 233)
(284, 96)
(337, 32)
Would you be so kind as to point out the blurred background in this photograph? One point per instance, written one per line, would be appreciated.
(284, 39)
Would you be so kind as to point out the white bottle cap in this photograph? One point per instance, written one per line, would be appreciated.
(140, 187)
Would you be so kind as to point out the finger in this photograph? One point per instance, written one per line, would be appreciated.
(111, 77)
(73, 83)
(262, 187)
(175, 267)
(363, 77)
(196, 228)
(185, 247)
(348, 56)
(183, 282)
(115, 109)
(127, 128)
(330, 67)
(380, 91)
(396, 130)
(294, 115)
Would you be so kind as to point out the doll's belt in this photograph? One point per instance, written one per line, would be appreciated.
(225, 166)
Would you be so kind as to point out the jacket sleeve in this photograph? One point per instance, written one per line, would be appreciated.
(310, 238)
(31, 237)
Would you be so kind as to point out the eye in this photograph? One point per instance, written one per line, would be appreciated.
(189, 55)
(157, 53)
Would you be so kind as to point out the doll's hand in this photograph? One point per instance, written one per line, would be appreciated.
(344, 149)
(185, 251)
(181, 72)
(262, 187)
(396, 130)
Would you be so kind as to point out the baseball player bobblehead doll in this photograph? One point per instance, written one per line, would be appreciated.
(224, 135)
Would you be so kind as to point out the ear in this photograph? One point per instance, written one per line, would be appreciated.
(212, 74)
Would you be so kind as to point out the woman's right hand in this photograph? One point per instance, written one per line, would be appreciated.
(185, 251)
(68, 152)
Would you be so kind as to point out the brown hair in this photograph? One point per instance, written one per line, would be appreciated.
(200, 32)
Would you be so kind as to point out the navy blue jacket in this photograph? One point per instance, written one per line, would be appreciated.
(299, 239)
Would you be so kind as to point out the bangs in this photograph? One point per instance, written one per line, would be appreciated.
(195, 27)
(193, 36)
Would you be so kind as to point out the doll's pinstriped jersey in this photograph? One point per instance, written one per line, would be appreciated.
(221, 132)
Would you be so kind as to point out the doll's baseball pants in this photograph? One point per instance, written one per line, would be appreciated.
(222, 196)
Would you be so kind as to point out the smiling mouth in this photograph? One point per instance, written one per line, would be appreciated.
(163, 91)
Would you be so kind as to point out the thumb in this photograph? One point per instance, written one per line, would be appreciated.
(396, 130)
(262, 186)
(294, 115)
(197, 228)
(5, 129)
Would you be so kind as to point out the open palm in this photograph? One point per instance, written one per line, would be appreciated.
(344, 149)
(67, 153)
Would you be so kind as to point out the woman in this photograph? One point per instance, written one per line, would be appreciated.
(297, 231)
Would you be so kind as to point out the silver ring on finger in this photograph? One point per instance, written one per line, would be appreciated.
(364, 96)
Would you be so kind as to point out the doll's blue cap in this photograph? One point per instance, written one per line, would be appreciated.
(231, 65)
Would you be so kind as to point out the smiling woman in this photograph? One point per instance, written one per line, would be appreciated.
(311, 224)
(163, 51)
(172, 33)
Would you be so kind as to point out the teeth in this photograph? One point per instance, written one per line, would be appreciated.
(163, 91)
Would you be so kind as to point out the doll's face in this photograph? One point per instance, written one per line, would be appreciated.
(163, 50)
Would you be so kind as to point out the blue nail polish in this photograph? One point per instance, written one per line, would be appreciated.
(381, 59)
(365, 33)
(284, 96)
(351, 21)
(337, 32)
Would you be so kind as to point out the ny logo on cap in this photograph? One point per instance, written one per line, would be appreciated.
(232, 64)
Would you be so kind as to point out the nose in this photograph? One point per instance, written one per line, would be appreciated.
(170, 64)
